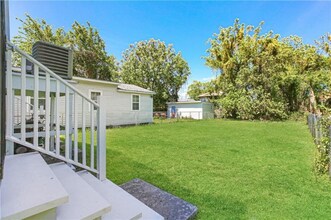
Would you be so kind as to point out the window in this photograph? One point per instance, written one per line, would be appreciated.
(135, 102)
(94, 96)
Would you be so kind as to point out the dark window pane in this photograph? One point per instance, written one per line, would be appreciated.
(135, 98)
(135, 106)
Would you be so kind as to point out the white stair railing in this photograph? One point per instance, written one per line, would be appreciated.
(17, 114)
(59, 95)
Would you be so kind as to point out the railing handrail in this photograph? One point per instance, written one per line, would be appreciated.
(54, 75)
(52, 134)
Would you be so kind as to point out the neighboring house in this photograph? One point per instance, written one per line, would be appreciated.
(190, 109)
(206, 97)
(126, 104)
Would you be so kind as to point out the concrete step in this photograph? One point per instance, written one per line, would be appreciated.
(125, 197)
(124, 205)
(84, 201)
(29, 187)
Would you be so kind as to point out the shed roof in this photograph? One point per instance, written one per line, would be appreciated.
(184, 102)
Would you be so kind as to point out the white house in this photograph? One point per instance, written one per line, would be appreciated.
(126, 104)
(190, 109)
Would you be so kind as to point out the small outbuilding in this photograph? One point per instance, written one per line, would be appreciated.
(190, 109)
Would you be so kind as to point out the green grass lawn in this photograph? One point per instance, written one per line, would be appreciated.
(229, 169)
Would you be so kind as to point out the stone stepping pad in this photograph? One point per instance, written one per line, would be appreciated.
(169, 206)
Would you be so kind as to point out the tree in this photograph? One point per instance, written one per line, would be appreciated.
(195, 89)
(33, 30)
(248, 63)
(90, 57)
(156, 66)
(309, 68)
(264, 76)
(324, 44)
(324, 50)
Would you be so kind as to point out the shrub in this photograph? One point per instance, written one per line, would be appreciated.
(322, 159)
(251, 105)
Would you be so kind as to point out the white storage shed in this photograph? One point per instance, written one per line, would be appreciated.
(190, 109)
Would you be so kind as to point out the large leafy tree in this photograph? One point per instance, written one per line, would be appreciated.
(324, 49)
(307, 74)
(90, 57)
(263, 76)
(248, 63)
(33, 30)
(154, 65)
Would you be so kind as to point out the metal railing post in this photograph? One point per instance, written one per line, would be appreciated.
(9, 104)
(4, 35)
(101, 136)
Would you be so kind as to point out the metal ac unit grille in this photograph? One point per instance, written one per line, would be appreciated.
(58, 59)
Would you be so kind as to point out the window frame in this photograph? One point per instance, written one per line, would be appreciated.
(135, 102)
(90, 96)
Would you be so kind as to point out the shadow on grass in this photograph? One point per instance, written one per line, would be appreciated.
(121, 169)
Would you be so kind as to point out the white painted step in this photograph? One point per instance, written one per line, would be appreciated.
(29, 187)
(124, 205)
(84, 202)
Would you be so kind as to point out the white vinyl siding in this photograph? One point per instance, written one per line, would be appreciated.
(118, 106)
(198, 110)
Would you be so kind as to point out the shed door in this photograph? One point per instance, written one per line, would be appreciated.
(173, 111)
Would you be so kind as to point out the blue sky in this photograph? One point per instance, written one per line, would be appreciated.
(187, 25)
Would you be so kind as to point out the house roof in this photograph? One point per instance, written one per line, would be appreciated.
(94, 80)
(121, 87)
(133, 88)
(210, 94)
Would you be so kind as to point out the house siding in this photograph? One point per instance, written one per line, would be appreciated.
(118, 107)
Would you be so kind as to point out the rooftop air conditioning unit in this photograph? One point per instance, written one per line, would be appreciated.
(56, 58)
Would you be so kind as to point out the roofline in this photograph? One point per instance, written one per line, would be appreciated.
(95, 80)
(209, 95)
(111, 83)
(183, 102)
(137, 92)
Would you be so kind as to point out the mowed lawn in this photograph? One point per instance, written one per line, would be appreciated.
(228, 169)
